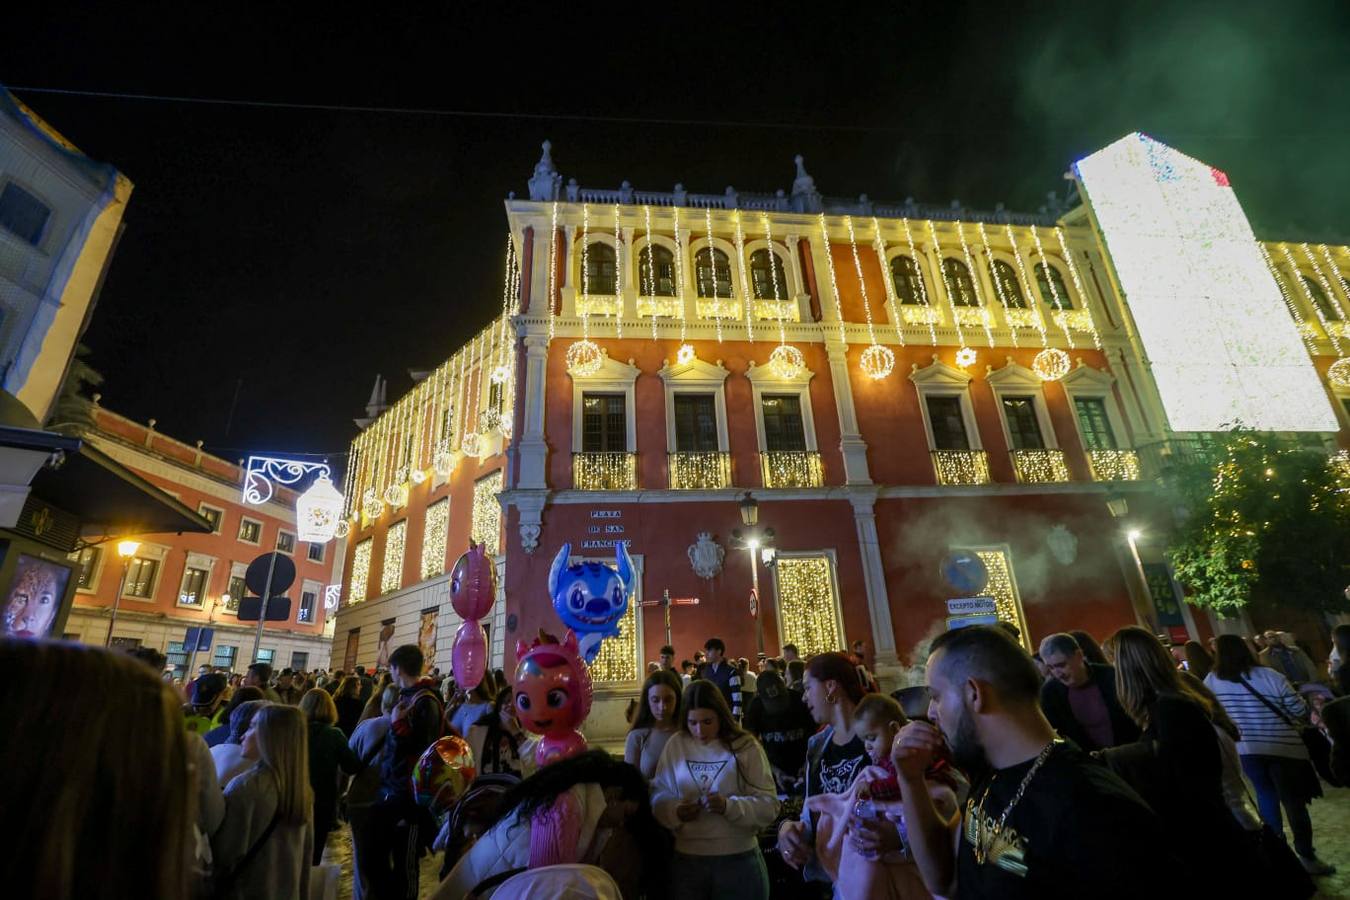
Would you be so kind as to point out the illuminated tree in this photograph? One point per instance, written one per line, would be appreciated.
(1263, 521)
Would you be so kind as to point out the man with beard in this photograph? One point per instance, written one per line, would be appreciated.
(1043, 818)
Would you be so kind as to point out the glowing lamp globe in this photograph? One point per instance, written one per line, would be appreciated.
(583, 359)
(317, 512)
(499, 375)
(443, 462)
(877, 362)
(965, 357)
(786, 361)
(1339, 373)
(1051, 364)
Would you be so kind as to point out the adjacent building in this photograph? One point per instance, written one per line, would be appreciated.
(892, 382)
(177, 581)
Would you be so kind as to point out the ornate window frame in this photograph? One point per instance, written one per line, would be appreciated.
(938, 379)
(613, 377)
(763, 380)
(696, 377)
(1093, 384)
(1016, 380)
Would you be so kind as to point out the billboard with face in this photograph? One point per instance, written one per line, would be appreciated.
(34, 597)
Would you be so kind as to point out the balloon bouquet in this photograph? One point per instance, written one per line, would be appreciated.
(552, 685)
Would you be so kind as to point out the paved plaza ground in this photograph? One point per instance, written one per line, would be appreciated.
(1331, 832)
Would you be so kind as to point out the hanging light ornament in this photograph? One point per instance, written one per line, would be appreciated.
(396, 495)
(371, 506)
(470, 444)
(1051, 364)
(686, 351)
(443, 462)
(786, 361)
(965, 357)
(685, 355)
(1339, 373)
(583, 357)
(500, 374)
(343, 529)
(417, 476)
(877, 361)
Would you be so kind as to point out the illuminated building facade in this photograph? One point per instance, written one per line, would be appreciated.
(177, 581)
(891, 382)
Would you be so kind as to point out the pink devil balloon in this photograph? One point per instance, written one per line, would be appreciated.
(468, 658)
(553, 695)
(473, 584)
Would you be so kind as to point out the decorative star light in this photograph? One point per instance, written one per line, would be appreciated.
(1051, 364)
(685, 354)
(500, 374)
(965, 357)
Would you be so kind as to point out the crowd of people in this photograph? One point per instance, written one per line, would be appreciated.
(1127, 768)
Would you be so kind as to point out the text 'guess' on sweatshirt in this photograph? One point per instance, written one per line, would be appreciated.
(691, 770)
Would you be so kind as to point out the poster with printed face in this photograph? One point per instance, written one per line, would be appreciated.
(382, 648)
(34, 597)
(426, 636)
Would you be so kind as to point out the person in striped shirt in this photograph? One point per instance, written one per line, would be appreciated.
(1268, 712)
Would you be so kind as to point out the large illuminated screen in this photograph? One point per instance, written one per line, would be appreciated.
(1223, 347)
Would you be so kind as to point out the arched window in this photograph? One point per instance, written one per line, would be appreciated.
(1321, 300)
(712, 269)
(656, 272)
(960, 287)
(908, 281)
(1058, 297)
(1006, 284)
(600, 272)
(766, 276)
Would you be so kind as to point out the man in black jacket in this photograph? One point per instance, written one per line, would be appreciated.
(1079, 697)
(395, 839)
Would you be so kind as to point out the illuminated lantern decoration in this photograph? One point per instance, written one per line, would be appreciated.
(469, 444)
(786, 361)
(965, 357)
(343, 529)
(396, 495)
(1339, 373)
(583, 359)
(318, 512)
(491, 419)
(371, 506)
(877, 361)
(443, 462)
(500, 374)
(418, 476)
(1051, 364)
(685, 355)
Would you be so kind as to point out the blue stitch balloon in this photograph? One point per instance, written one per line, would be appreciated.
(591, 597)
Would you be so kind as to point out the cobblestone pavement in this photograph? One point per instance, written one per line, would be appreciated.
(1331, 833)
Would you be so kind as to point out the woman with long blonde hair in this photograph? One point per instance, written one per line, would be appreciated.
(264, 845)
(99, 801)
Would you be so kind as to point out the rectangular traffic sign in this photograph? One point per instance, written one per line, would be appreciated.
(967, 621)
(972, 606)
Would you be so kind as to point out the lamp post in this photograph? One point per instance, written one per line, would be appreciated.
(126, 550)
(753, 539)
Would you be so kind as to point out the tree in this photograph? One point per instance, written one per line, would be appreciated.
(74, 412)
(1263, 521)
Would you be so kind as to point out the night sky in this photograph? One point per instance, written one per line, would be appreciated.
(295, 253)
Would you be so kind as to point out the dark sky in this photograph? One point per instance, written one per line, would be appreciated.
(303, 251)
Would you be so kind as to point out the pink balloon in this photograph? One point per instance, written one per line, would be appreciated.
(473, 584)
(468, 658)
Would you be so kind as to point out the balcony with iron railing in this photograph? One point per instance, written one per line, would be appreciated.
(699, 470)
(961, 466)
(791, 468)
(604, 471)
(1113, 465)
(1040, 466)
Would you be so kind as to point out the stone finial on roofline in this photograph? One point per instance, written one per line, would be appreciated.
(545, 183)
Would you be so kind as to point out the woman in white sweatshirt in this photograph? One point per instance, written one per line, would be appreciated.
(714, 790)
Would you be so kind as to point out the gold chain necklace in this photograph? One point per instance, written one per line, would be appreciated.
(986, 838)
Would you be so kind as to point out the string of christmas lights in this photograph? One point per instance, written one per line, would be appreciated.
(712, 273)
(1054, 290)
(975, 282)
(1331, 265)
(649, 276)
(998, 282)
(1322, 279)
(745, 285)
(583, 356)
(1079, 287)
(785, 361)
(834, 283)
(930, 312)
(618, 276)
(965, 355)
(1307, 295)
(1027, 288)
(1305, 330)
(879, 247)
(876, 361)
(686, 352)
(552, 267)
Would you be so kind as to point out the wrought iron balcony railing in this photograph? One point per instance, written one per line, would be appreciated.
(604, 471)
(1113, 465)
(1044, 466)
(961, 466)
(699, 470)
(791, 468)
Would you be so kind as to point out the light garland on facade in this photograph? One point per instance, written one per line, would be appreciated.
(552, 267)
(1040, 466)
(984, 317)
(879, 248)
(807, 605)
(1306, 330)
(699, 470)
(961, 466)
(618, 276)
(618, 657)
(745, 284)
(785, 361)
(965, 356)
(360, 582)
(648, 285)
(1058, 303)
(1114, 465)
(791, 468)
(395, 542)
(1340, 278)
(998, 282)
(932, 313)
(1051, 364)
(486, 526)
(1307, 295)
(834, 282)
(435, 537)
(712, 273)
(1078, 286)
(1001, 587)
(583, 357)
(472, 442)
(685, 347)
(876, 361)
(1033, 300)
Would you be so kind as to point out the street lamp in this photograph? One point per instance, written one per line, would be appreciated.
(125, 549)
(756, 540)
(1117, 505)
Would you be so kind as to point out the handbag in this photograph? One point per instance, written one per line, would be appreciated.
(1319, 749)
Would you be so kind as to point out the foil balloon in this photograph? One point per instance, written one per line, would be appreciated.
(442, 774)
(552, 695)
(468, 657)
(473, 584)
(591, 597)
